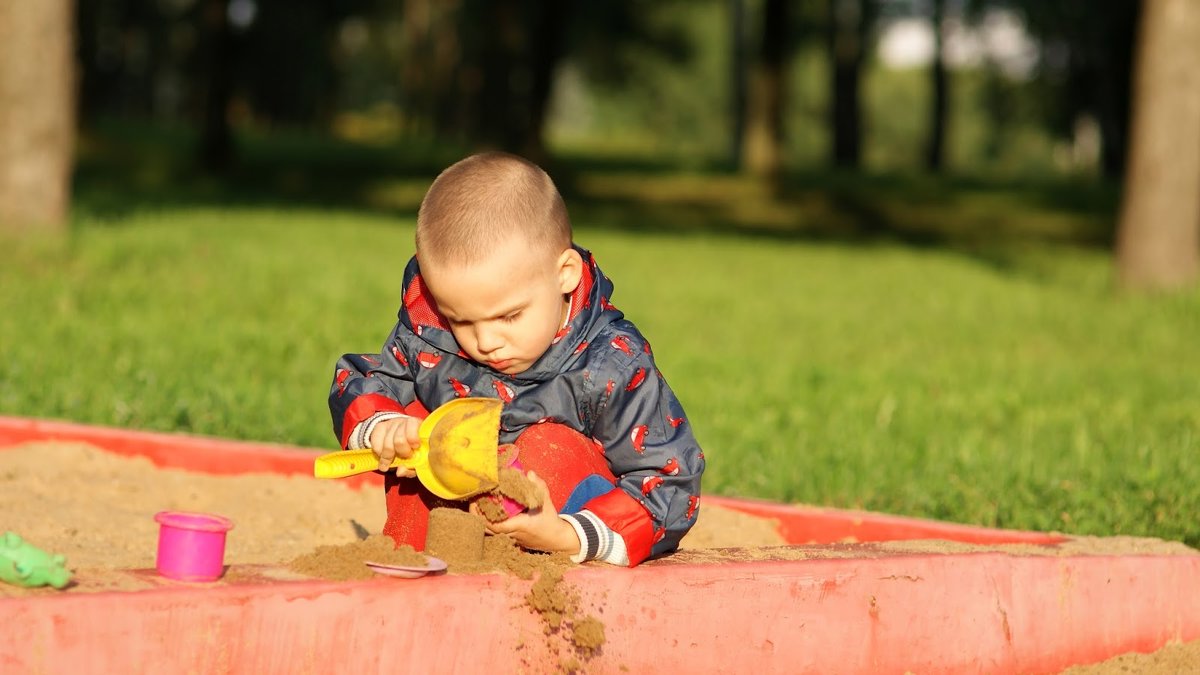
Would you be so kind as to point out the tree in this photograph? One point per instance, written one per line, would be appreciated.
(847, 30)
(216, 134)
(1158, 236)
(737, 80)
(1092, 72)
(935, 144)
(430, 61)
(504, 54)
(762, 152)
(37, 113)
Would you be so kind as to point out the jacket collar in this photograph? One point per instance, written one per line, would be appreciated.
(590, 311)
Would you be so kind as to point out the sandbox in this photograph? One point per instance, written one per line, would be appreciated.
(849, 592)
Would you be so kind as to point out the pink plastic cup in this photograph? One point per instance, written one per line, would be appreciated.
(191, 546)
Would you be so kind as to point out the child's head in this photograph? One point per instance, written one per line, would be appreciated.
(494, 244)
(487, 199)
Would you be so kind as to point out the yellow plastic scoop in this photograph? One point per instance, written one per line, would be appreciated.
(457, 455)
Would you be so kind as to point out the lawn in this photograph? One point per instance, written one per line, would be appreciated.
(912, 367)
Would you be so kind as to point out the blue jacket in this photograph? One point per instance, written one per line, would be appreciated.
(598, 378)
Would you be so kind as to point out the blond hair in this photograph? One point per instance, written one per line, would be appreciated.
(484, 199)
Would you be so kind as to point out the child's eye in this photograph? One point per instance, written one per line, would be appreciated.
(509, 318)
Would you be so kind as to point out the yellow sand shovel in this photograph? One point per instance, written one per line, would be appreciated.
(457, 455)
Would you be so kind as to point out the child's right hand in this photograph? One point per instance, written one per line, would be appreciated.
(396, 437)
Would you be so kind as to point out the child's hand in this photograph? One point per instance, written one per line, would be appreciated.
(396, 437)
(539, 529)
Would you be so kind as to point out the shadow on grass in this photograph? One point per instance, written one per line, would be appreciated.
(123, 169)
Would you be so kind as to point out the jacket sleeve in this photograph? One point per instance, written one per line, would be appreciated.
(368, 384)
(651, 450)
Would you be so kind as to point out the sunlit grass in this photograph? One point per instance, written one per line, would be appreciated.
(1003, 386)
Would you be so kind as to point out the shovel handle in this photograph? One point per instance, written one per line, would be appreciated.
(352, 462)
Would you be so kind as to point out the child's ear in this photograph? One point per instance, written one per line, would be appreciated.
(570, 270)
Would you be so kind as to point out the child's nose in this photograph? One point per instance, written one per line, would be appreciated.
(487, 339)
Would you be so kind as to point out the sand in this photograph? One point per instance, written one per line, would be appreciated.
(98, 509)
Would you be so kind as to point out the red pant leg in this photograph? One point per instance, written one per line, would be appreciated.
(562, 457)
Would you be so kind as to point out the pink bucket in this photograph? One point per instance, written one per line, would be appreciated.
(511, 506)
(191, 546)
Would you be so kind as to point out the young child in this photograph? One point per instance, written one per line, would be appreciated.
(499, 302)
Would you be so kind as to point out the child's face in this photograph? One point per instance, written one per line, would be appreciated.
(504, 311)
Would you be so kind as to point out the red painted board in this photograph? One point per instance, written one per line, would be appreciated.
(879, 613)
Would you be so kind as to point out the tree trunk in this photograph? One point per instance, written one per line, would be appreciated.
(846, 36)
(1158, 237)
(764, 114)
(935, 149)
(216, 140)
(549, 43)
(737, 81)
(497, 113)
(1115, 49)
(37, 113)
(430, 66)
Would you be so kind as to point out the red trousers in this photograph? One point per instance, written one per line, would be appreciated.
(557, 453)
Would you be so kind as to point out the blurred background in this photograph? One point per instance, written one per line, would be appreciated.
(1003, 91)
(935, 257)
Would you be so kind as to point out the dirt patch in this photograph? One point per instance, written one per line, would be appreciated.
(348, 561)
(726, 528)
(1176, 658)
(459, 538)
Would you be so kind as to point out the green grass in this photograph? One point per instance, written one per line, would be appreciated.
(922, 382)
(935, 348)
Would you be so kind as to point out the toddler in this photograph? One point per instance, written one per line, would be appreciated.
(499, 302)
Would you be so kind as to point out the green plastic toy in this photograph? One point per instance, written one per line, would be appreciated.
(26, 565)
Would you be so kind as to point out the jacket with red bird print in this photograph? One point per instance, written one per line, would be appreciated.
(598, 378)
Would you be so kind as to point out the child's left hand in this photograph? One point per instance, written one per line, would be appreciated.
(540, 528)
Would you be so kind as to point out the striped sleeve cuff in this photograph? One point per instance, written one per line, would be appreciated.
(360, 438)
(597, 540)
